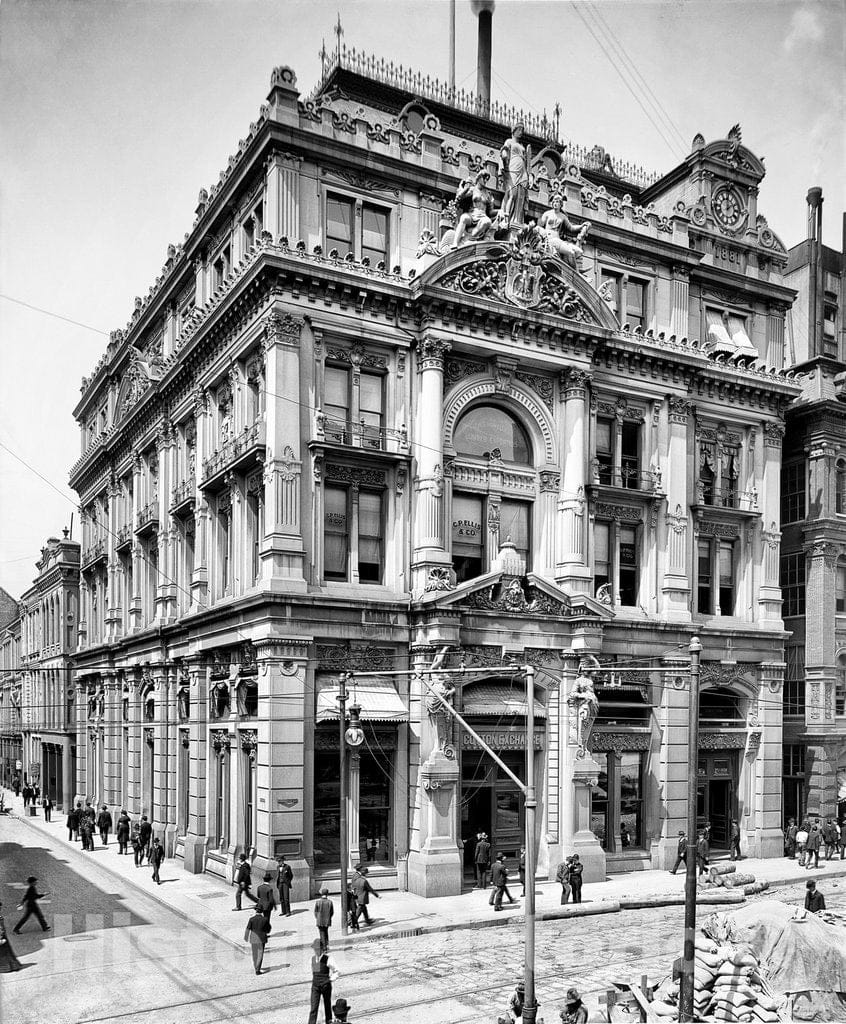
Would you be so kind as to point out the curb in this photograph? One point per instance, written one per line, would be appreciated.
(240, 946)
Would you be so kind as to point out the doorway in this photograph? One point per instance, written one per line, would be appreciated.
(491, 803)
(715, 795)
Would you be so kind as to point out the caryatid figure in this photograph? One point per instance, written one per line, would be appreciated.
(515, 159)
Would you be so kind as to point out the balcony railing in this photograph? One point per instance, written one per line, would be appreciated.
(361, 434)
(94, 552)
(726, 497)
(628, 476)
(123, 537)
(235, 453)
(182, 496)
(148, 518)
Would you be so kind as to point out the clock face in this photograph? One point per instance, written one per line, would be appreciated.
(727, 207)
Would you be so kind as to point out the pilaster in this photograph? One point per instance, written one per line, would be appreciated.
(202, 514)
(675, 587)
(679, 310)
(282, 192)
(572, 571)
(196, 839)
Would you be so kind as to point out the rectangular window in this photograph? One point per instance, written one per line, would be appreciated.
(335, 533)
(468, 548)
(793, 492)
(840, 590)
(221, 266)
(631, 799)
(840, 489)
(715, 577)
(617, 453)
(840, 693)
(601, 556)
(792, 579)
(725, 554)
(635, 303)
(339, 224)
(630, 455)
(794, 681)
(336, 403)
(514, 525)
(374, 234)
(372, 409)
(370, 535)
(609, 289)
(628, 566)
(605, 431)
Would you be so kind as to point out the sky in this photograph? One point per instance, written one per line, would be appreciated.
(114, 113)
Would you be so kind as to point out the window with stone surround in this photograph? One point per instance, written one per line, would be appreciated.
(357, 227)
(473, 515)
(353, 527)
(794, 681)
(255, 523)
(793, 492)
(617, 449)
(792, 582)
(252, 226)
(718, 466)
(840, 487)
(840, 588)
(840, 686)
(616, 562)
(354, 398)
(221, 265)
(626, 295)
(715, 576)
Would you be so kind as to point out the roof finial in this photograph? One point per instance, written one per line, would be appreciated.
(323, 56)
(339, 31)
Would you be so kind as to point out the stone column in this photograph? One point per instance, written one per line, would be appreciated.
(202, 515)
(158, 810)
(282, 193)
(133, 767)
(768, 453)
(114, 573)
(430, 564)
(111, 760)
(282, 551)
(572, 571)
(760, 818)
(81, 787)
(136, 618)
(196, 839)
(671, 759)
(820, 676)
(775, 334)
(354, 806)
(279, 810)
(674, 474)
(166, 589)
(551, 834)
(680, 301)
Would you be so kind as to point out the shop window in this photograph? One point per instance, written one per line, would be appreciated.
(353, 534)
(715, 577)
(793, 782)
(468, 544)
(720, 707)
(487, 431)
(353, 226)
(793, 492)
(794, 681)
(375, 819)
(631, 799)
(616, 563)
(840, 687)
(792, 581)
(617, 801)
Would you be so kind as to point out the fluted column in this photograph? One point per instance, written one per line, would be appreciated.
(135, 740)
(81, 708)
(775, 335)
(282, 177)
(679, 310)
(114, 615)
(572, 571)
(196, 839)
(136, 618)
(111, 740)
(282, 550)
(675, 588)
(820, 638)
(202, 515)
(430, 561)
(767, 455)
(354, 808)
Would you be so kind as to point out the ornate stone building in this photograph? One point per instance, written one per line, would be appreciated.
(11, 751)
(329, 441)
(48, 638)
(813, 517)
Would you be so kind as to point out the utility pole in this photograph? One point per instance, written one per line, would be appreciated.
(342, 759)
(686, 990)
(530, 1007)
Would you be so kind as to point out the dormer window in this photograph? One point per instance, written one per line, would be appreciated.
(253, 226)
(221, 267)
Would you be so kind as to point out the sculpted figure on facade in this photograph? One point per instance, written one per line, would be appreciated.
(585, 705)
(554, 223)
(516, 159)
(475, 205)
(439, 692)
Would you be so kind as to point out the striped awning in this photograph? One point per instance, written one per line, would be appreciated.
(377, 698)
(498, 699)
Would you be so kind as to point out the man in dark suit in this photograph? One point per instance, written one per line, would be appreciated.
(157, 855)
(499, 878)
(814, 842)
(681, 853)
(702, 853)
(284, 879)
(242, 879)
(47, 804)
(324, 911)
(363, 891)
(104, 824)
(145, 835)
(266, 896)
(734, 840)
(256, 933)
(482, 859)
(31, 908)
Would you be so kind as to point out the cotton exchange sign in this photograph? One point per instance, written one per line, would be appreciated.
(503, 739)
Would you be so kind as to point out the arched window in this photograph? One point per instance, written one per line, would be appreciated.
(720, 706)
(487, 430)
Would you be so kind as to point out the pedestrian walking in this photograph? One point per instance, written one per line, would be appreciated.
(266, 895)
(814, 843)
(499, 877)
(575, 1011)
(73, 823)
(137, 849)
(243, 879)
(370, 847)
(706, 832)
(341, 1010)
(8, 960)
(352, 911)
(576, 869)
(790, 834)
(87, 824)
(323, 973)
(324, 910)
(841, 842)
(145, 834)
(829, 838)
(814, 899)
(104, 824)
(47, 804)
(122, 833)
(681, 852)
(802, 843)
(16, 785)
(363, 891)
(284, 881)
(157, 855)
(256, 933)
(521, 870)
(562, 875)
(702, 853)
(27, 795)
(31, 908)
(482, 860)
(734, 840)
(36, 793)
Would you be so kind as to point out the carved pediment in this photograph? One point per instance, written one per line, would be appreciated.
(523, 274)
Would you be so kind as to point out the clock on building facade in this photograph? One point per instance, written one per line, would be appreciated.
(728, 208)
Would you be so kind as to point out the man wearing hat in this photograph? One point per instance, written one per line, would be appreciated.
(341, 1010)
(681, 852)
(324, 910)
(517, 1001)
(575, 1011)
(482, 860)
(31, 908)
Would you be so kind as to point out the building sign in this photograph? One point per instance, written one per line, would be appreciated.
(34, 770)
(727, 256)
(502, 739)
(466, 528)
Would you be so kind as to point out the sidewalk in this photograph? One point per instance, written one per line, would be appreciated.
(207, 901)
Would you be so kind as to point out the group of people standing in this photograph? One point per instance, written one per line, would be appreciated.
(498, 874)
(806, 840)
(83, 822)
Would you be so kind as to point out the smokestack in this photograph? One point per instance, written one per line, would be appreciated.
(815, 201)
(452, 47)
(815, 276)
(483, 9)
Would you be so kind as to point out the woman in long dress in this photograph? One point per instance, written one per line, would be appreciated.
(8, 960)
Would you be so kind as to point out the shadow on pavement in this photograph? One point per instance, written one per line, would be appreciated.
(75, 906)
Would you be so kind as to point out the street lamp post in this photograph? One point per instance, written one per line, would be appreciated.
(686, 989)
(342, 764)
(530, 1007)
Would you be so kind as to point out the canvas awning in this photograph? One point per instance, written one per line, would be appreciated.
(499, 699)
(377, 698)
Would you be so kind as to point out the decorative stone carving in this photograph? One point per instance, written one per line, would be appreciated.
(482, 655)
(439, 579)
(220, 741)
(619, 742)
(711, 528)
(357, 475)
(542, 386)
(773, 434)
(432, 352)
(619, 513)
(282, 329)
(475, 211)
(722, 740)
(584, 703)
(511, 596)
(554, 223)
(349, 657)
(516, 159)
(549, 480)
(714, 673)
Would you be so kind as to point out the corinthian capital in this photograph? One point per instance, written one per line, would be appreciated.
(432, 352)
(282, 329)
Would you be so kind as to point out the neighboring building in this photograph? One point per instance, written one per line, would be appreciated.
(813, 519)
(48, 634)
(323, 445)
(10, 689)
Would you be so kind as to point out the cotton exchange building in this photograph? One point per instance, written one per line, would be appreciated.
(362, 420)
